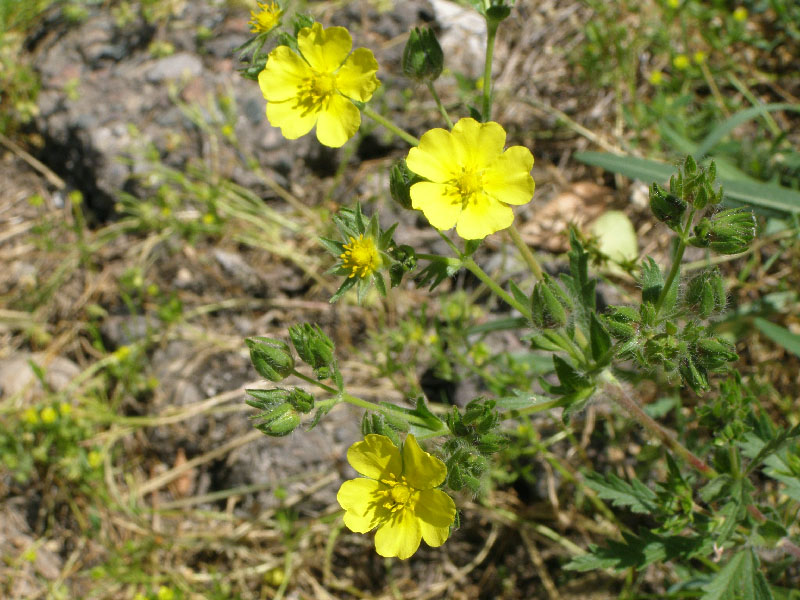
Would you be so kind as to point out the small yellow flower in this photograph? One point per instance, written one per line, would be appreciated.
(699, 57)
(674, 3)
(267, 17)
(121, 353)
(30, 416)
(165, 593)
(471, 180)
(94, 458)
(397, 495)
(48, 415)
(361, 257)
(208, 219)
(317, 87)
(681, 62)
(65, 408)
(740, 14)
(656, 77)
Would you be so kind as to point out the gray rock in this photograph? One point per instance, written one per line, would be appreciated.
(178, 66)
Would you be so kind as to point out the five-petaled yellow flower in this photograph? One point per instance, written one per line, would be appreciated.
(317, 87)
(361, 257)
(267, 17)
(471, 180)
(397, 495)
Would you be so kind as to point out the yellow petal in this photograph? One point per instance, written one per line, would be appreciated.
(479, 144)
(436, 157)
(356, 79)
(422, 470)
(482, 216)
(338, 122)
(399, 536)
(283, 74)
(438, 203)
(436, 511)
(376, 457)
(363, 502)
(294, 122)
(508, 178)
(324, 49)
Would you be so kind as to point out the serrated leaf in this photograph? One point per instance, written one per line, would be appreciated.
(600, 340)
(636, 496)
(569, 377)
(739, 579)
(332, 246)
(716, 488)
(652, 281)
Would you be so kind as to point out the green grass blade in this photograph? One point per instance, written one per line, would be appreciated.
(780, 335)
(727, 126)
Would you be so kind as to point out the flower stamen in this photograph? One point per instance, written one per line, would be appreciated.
(361, 257)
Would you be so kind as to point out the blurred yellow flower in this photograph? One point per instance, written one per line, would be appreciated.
(361, 257)
(681, 62)
(740, 14)
(30, 416)
(317, 87)
(397, 496)
(656, 77)
(267, 17)
(65, 408)
(699, 57)
(94, 458)
(674, 3)
(48, 415)
(471, 179)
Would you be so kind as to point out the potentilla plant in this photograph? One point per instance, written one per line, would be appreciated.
(466, 178)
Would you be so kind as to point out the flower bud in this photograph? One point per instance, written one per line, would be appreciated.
(312, 345)
(301, 400)
(271, 358)
(714, 353)
(279, 418)
(281, 425)
(548, 304)
(705, 294)
(696, 378)
(406, 258)
(667, 207)
(728, 232)
(400, 181)
(423, 59)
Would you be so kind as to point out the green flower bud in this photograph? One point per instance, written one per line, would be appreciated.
(423, 59)
(696, 378)
(277, 420)
(301, 400)
(713, 353)
(312, 345)
(705, 294)
(548, 304)
(667, 207)
(406, 258)
(400, 181)
(498, 12)
(267, 399)
(620, 331)
(271, 358)
(728, 232)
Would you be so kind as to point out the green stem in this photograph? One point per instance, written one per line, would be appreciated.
(449, 242)
(676, 262)
(473, 268)
(491, 34)
(390, 126)
(531, 410)
(526, 253)
(438, 100)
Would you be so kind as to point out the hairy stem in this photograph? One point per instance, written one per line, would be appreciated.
(676, 262)
(438, 100)
(526, 253)
(404, 135)
(491, 34)
(473, 268)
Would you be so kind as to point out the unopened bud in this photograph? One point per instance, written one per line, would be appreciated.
(423, 59)
(667, 207)
(728, 232)
(696, 378)
(400, 181)
(549, 304)
(705, 294)
(312, 345)
(271, 358)
(301, 400)
(714, 353)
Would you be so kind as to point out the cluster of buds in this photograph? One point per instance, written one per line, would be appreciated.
(474, 438)
(730, 231)
(280, 408)
(705, 294)
(549, 304)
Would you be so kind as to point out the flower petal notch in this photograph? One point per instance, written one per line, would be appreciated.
(318, 86)
(398, 495)
(471, 180)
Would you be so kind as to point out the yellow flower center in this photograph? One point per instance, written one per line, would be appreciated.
(314, 93)
(400, 495)
(361, 257)
(468, 184)
(266, 18)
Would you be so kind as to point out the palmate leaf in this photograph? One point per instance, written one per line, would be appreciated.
(639, 551)
(740, 579)
(636, 496)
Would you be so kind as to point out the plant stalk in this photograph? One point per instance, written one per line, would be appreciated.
(526, 253)
(491, 34)
(404, 135)
(473, 268)
(438, 100)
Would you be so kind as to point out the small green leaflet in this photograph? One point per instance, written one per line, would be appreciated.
(740, 579)
(636, 496)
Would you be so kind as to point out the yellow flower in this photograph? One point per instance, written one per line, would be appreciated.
(317, 87)
(740, 14)
(94, 458)
(656, 77)
(361, 257)
(699, 57)
(165, 593)
(397, 496)
(674, 3)
(681, 62)
(267, 17)
(471, 180)
(30, 416)
(48, 415)
(65, 408)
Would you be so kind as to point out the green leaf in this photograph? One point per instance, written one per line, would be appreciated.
(780, 335)
(518, 294)
(761, 195)
(346, 285)
(569, 377)
(652, 280)
(635, 495)
(437, 271)
(772, 446)
(727, 126)
(739, 579)
(600, 340)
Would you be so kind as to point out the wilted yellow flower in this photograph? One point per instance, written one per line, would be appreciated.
(471, 180)
(656, 77)
(699, 57)
(266, 18)
(740, 14)
(361, 257)
(48, 415)
(317, 87)
(397, 496)
(681, 62)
